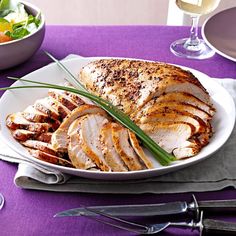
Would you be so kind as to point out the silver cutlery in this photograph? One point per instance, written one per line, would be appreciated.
(204, 226)
(2, 201)
(170, 208)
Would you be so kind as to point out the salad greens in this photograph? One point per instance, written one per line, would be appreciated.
(15, 22)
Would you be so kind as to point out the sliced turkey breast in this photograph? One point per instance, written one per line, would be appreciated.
(202, 131)
(60, 137)
(56, 105)
(23, 135)
(186, 98)
(68, 98)
(61, 109)
(120, 140)
(129, 84)
(90, 132)
(45, 137)
(42, 146)
(79, 100)
(34, 115)
(139, 150)
(76, 154)
(110, 154)
(164, 107)
(175, 116)
(17, 121)
(186, 151)
(60, 96)
(172, 136)
(49, 158)
(49, 106)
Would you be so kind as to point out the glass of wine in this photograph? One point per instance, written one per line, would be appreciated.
(193, 47)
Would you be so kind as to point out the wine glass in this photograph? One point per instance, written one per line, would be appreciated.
(193, 47)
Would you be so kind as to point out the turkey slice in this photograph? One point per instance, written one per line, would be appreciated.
(48, 106)
(42, 146)
(60, 137)
(45, 137)
(90, 132)
(17, 121)
(164, 107)
(139, 150)
(49, 158)
(67, 98)
(34, 115)
(172, 116)
(76, 154)
(202, 131)
(120, 140)
(23, 135)
(61, 97)
(186, 98)
(171, 136)
(110, 154)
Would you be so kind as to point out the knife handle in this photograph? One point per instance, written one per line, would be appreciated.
(217, 205)
(217, 227)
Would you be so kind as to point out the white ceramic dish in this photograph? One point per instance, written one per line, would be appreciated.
(17, 100)
(219, 32)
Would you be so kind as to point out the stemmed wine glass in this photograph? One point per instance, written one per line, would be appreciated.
(193, 47)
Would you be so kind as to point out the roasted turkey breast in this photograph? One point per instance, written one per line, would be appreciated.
(129, 84)
(168, 100)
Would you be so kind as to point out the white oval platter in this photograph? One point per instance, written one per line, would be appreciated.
(17, 100)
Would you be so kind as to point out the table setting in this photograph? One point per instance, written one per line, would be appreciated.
(194, 196)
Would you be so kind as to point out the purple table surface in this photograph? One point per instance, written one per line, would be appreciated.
(28, 212)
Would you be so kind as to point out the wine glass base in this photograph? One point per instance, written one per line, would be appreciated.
(202, 51)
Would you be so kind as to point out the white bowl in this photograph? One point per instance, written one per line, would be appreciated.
(17, 51)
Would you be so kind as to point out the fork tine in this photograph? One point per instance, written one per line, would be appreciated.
(115, 225)
(142, 228)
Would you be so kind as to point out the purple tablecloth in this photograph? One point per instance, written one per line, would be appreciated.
(28, 212)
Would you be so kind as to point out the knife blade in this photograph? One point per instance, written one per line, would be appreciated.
(155, 209)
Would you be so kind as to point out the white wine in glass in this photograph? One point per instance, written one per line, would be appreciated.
(193, 47)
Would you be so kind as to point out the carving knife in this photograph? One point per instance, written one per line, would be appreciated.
(170, 208)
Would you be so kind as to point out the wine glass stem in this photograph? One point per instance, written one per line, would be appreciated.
(193, 42)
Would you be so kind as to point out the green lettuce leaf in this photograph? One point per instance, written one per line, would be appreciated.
(7, 6)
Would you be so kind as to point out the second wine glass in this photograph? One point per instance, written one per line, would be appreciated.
(193, 47)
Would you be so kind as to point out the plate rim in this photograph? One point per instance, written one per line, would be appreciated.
(206, 39)
(117, 175)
